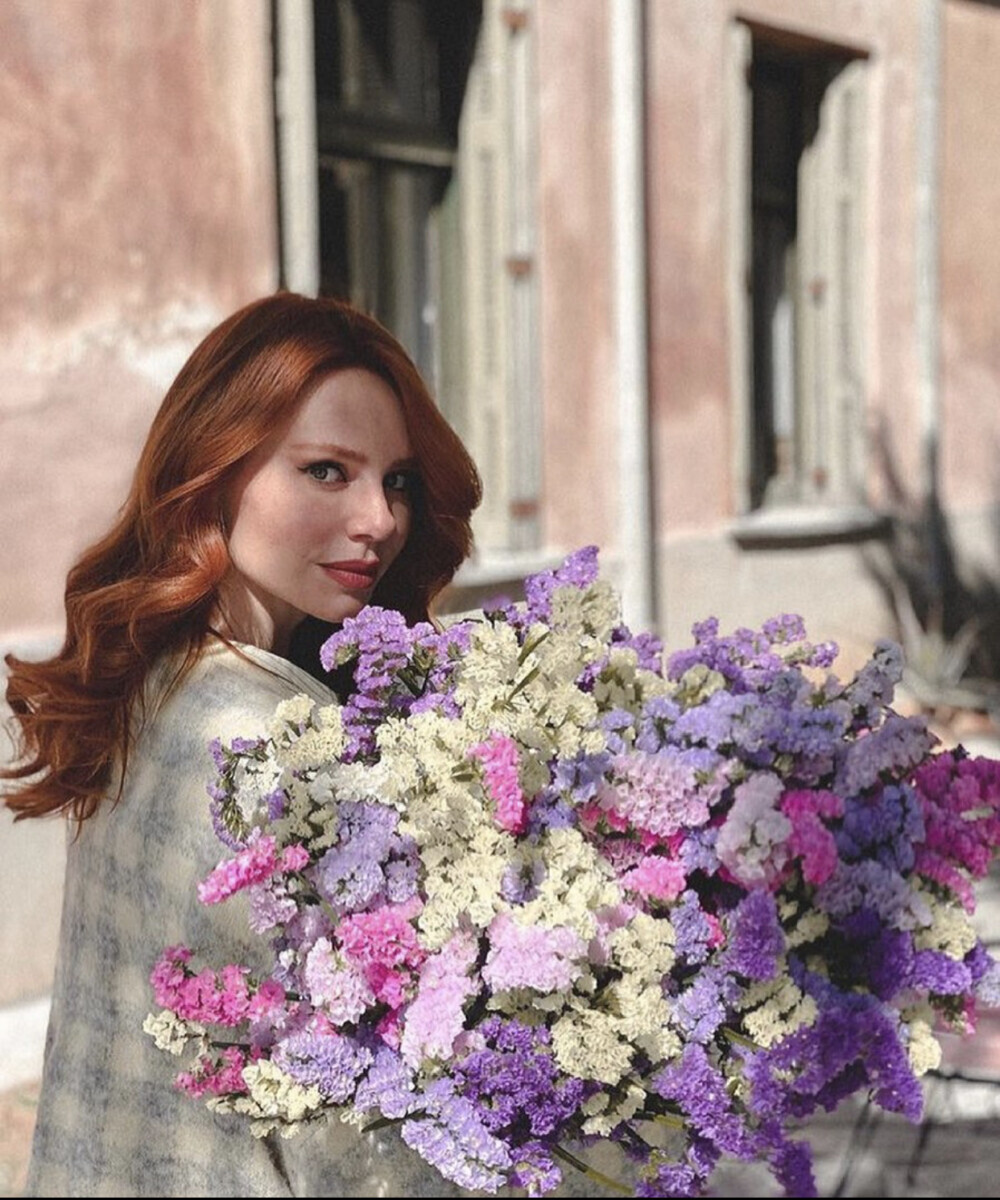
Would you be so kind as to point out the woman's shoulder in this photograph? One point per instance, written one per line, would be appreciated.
(231, 690)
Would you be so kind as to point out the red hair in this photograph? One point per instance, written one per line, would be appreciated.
(150, 585)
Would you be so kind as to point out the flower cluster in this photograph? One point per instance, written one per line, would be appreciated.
(530, 888)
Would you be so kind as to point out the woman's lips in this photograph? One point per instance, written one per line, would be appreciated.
(354, 576)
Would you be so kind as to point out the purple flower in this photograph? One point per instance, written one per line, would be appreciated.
(516, 1085)
(451, 1135)
(370, 862)
(389, 1087)
(535, 1170)
(328, 1061)
(702, 1006)
(936, 972)
(756, 940)
(647, 646)
(579, 570)
(895, 748)
(692, 931)
(700, 1090)
(851, 1046)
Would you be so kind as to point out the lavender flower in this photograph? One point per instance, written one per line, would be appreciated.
(370, 862)
(579, 570)
(328, 1061)
(450, 1134)
(732, 868)
(756, 939)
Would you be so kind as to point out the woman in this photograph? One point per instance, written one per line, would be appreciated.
(296, 471)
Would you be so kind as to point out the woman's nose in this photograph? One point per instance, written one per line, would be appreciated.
(371, 517)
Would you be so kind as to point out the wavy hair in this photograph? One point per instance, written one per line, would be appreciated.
(150, 585)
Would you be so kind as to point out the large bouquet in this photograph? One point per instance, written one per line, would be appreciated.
(528, 889)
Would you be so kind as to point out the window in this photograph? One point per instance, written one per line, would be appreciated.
(424, 215)
(796, 254)
(390, 75)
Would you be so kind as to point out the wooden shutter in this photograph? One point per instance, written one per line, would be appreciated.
(502, 418)
(831, 446)
(739, 51)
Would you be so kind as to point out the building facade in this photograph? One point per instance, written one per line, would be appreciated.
(713, 284)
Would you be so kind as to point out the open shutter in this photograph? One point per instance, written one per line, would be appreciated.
(831, 450)
(496, 180)
(739, 50)
(482, 178)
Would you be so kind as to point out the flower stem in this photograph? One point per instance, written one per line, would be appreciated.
(738, 1039)
(591, 1172)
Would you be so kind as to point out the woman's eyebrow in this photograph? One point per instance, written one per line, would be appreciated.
(332, 450)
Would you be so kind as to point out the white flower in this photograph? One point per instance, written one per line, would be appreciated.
(170, 1032)
(775, 1008)
(578, 884)
(949, 931)
(313, 749)
(645, 947)
(923, 1049)
(274, 1094)
(753, 840)
(293, 713)
(589, 1044)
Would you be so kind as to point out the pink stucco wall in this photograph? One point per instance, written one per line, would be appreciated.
(575, 272)
(137, 208)
(687, 131)
(970, 260)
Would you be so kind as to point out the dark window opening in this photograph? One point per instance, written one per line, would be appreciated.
(797, 291)
(390, 78)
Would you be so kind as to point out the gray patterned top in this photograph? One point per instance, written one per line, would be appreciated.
(109, 1120)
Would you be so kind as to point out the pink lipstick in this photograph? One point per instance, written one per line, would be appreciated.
(355, 575)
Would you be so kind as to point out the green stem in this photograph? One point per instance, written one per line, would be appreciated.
(739, 1039)
(530, 646)
(670, 1120)
(523, 683)
(591, 1172)
(383, 1123)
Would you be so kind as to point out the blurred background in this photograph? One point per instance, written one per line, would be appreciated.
(713, 284)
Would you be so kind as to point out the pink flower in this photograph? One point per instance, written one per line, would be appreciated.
(384, 945)
(294, 858)
(548, 960)
(252, 865)
(499, 757)
(659, 793)
(215, 1078)
(436, 1018)
(267, 1001)
(656, 876)
(169, 973)
(234, 999)
(592, 814)
(810, 839)
(343, 991)
(717, 935)
(390, 1028)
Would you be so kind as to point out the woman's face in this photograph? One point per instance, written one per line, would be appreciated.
(319, 511)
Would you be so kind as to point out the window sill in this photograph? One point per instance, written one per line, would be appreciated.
(793, 527)
(511, 567)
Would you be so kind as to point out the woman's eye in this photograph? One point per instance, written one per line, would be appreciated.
(325, 472)
(400, 481)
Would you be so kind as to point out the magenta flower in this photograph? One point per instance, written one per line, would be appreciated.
(255, 864)
(499, 757)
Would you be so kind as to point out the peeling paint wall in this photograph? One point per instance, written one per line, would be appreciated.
(137, 208)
